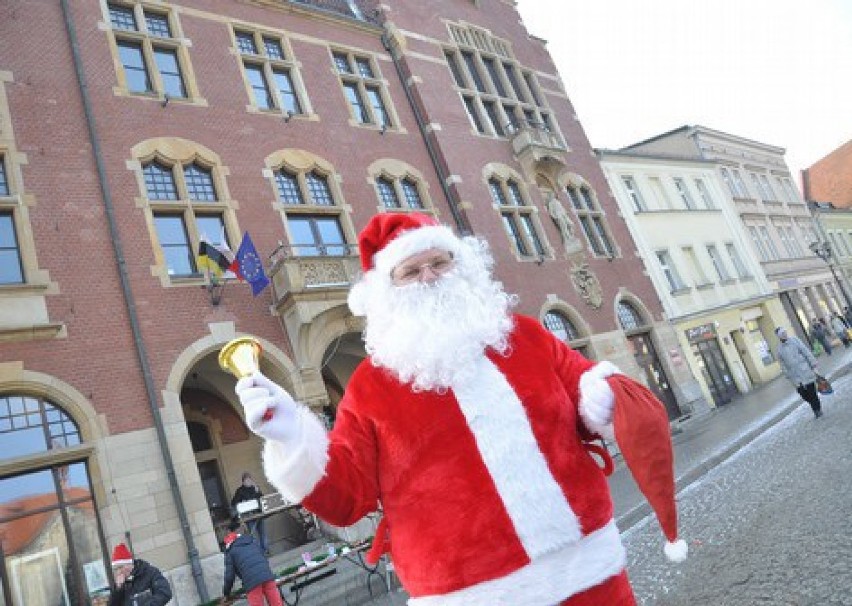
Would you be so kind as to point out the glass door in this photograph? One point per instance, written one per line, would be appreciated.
(714, 369)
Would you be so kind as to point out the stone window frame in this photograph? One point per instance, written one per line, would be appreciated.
(148, 42)
(363, 83)
(591, 217)
(270, 66)
(396, 172)
(499, 178)
(475, 58)
(172, 152)
(25, 315)
(582, 341)
(300, 163)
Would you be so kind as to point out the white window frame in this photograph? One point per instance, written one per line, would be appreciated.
(669, 270)
(718, 263)
(736, 260)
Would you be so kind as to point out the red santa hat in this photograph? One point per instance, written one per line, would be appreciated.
(390, 238)
(121, 555)
(642, 432)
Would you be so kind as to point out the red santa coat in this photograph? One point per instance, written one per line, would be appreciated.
(487, 490)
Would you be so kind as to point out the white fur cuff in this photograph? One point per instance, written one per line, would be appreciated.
(596, 398)
(296, 466)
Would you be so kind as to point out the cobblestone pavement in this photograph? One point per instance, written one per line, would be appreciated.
(771, 526)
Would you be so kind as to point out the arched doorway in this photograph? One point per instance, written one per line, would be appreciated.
(339, 361)
(638, 335)
(51, 541)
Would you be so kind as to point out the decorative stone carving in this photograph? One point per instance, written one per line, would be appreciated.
(587, 285)
(324, 273)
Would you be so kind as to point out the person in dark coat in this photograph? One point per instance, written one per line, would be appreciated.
(244, 558)
(800, 367)
(137, 583)
(249, 491)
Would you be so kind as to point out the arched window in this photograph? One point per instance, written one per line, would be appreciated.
(629, 317)
(592, 219)
(518, 217)
(313, 214)
(396, 193)
(559, 324)
(49, 531)
(31, 425)
(187, 209)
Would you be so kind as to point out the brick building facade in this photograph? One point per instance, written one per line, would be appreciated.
(131, 131)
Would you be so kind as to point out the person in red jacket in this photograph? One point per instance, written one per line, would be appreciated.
(470, 425)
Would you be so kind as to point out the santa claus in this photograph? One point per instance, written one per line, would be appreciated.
(471, 426)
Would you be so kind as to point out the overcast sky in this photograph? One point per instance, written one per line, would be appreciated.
(775, 71)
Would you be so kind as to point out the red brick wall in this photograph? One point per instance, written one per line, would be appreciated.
(68, 219)
(830, 179)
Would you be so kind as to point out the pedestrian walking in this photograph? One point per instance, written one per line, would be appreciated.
(819, 333)
(244, 558)
(799, 366)
(838, 325)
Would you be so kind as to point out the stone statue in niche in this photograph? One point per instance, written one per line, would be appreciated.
(563, 221)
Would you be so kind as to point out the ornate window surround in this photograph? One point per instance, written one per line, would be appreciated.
(504, 175)
(301, 162)
(173, 151)
(396, 171)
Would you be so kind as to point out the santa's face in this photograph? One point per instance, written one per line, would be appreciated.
(425, 267)
(434, 315)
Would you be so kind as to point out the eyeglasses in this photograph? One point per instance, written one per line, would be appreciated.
(408, 274)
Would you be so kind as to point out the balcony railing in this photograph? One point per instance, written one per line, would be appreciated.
(300, 270)
(533, 136)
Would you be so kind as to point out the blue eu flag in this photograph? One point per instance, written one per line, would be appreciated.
(250, 267)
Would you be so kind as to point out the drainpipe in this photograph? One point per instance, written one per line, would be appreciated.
(129, 301)
(458, 217)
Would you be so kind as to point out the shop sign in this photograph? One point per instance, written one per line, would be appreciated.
(704, 332)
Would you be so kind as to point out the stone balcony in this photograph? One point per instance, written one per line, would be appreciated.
(537, 149)
(310, 276)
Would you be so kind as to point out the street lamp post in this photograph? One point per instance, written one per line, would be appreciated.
(823, 251)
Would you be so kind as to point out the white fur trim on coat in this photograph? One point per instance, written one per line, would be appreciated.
(548, 580)
(597, 399)
(415, 241)
(534, 500)
(296, 466)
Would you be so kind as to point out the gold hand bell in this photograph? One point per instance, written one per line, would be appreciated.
(241, 358)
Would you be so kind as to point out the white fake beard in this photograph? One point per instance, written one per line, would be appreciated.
(429, 334)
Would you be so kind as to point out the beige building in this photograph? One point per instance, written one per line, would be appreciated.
(696, 252)
(779, 225)
(834, 227)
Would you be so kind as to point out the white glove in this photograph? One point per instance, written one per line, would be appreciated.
(270, 411)
(596, 398)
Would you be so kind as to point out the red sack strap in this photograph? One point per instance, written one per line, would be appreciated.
(608, 465)
(381, 543)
